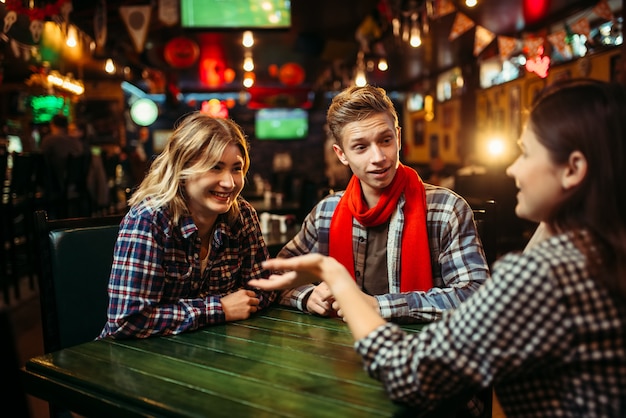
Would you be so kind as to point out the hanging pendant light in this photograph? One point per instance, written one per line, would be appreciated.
(415, 39)
(109, 66)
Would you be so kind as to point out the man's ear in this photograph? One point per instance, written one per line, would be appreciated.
(340, 154)
(574, 171)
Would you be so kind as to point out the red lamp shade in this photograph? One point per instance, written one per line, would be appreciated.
(181, 52)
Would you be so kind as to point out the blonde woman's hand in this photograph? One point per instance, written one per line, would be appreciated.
(240, 304)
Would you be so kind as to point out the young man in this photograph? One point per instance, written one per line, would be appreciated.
(412, 248)
(548, 331)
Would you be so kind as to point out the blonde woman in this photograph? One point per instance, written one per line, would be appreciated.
(189, 243)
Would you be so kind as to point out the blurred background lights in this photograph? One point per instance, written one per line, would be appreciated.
(495, 147)
(144, 112)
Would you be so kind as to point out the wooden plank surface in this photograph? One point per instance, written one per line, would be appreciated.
(281, 363)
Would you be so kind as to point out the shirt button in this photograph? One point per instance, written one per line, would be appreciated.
(361, 239)
(357, 274)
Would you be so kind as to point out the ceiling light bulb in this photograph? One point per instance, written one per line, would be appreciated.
(382, 64)
(248, 64)
(71, 37)
(416, 39)
(248, 79)
(405, 32)
(109, 67)
(360, 79)
(248, 39)
(395, 23)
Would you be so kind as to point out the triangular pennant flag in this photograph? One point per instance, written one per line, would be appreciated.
(15, 47)
(461, 25)
(603, 10)
(443, 7)
(506, 46)
(9, 19)
(168, 12)
(36, 29)
(482, 38)
(532, 45)
(65, 10)
(137, 19)
(558, 41)
(581, 26)
(100, 24)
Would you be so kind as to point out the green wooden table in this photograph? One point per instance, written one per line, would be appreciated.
(279, 363)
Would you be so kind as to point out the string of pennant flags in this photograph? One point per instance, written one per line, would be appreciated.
(531, 44)
(58, 12)
(136, 19)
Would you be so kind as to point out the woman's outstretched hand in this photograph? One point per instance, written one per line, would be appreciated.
(358, 311)
(297, 271)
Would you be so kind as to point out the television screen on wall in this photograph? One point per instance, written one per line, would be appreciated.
(233, 14)
(160, 138)
(281, 124)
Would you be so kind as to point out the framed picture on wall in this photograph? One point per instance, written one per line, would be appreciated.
(434, 146)
(616, 68)
(419, 126)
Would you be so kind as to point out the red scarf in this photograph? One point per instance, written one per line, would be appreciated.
(415, 270)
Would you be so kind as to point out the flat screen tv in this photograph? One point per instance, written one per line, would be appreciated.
(160, 138)
(281, 124)
(234, 14)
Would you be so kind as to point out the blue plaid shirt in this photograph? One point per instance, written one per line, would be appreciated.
(457, 258)
(156, 284)
(542, 331)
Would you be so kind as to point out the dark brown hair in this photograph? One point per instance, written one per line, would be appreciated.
(589, 116)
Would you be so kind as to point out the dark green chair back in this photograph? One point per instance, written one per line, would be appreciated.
(75, 257)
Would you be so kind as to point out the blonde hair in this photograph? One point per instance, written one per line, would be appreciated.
(355, 104)
(197, 142)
